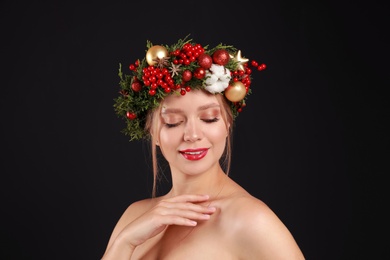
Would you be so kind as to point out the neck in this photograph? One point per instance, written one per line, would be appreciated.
(209, 183)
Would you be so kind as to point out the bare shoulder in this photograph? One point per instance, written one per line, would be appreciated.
(256, 231)
(136, 209)
(253, 210)
(245, 207)
(133, 211)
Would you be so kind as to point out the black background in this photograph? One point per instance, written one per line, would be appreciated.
(311, 143)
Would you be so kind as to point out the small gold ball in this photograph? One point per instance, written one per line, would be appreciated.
(235, 92)
(154, 52)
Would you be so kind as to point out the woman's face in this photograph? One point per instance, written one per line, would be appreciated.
(192, 131)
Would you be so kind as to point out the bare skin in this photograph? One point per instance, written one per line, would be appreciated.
(206, 215)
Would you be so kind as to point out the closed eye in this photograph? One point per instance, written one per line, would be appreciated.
(172, 125)
(211, 120)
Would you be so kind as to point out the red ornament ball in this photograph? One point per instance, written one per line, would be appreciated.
(221, 57)
(187, 75)
(131, 115)
(136, 86)
(205, 61)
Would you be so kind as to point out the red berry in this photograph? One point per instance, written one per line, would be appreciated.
(261, 67)
(199, 73)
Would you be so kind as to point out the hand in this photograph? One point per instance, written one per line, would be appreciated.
(183, 210)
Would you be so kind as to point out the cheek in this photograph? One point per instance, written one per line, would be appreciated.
(169, 136)
(217, 133)
(163, 137)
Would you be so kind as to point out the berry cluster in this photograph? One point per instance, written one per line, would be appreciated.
(189, 53)
(155, 76)
(243, 75)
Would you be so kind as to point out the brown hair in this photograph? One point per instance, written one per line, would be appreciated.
(152, 127)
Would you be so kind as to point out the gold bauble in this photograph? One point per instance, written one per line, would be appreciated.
(156, 52)
(235, 92)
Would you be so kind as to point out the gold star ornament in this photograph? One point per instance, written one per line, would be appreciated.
(241, 61)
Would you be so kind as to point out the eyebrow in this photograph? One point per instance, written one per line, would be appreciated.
(178, 110)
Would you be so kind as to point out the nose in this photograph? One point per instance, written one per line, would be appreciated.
(192, 131)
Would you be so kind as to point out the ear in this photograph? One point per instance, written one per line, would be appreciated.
(152, 138)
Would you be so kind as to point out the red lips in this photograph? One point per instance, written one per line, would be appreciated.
(194, 154)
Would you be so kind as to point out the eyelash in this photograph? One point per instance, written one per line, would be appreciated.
(208, 121)
(215, 119)
(171, 125)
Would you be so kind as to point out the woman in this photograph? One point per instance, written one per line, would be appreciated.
(205, 215)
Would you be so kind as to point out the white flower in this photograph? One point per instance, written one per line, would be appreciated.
(217, 78)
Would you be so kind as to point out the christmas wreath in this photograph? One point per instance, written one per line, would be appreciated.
(177, 69)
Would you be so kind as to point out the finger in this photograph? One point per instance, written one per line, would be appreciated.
(165, 205)
(185, 213)
(175, 220)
